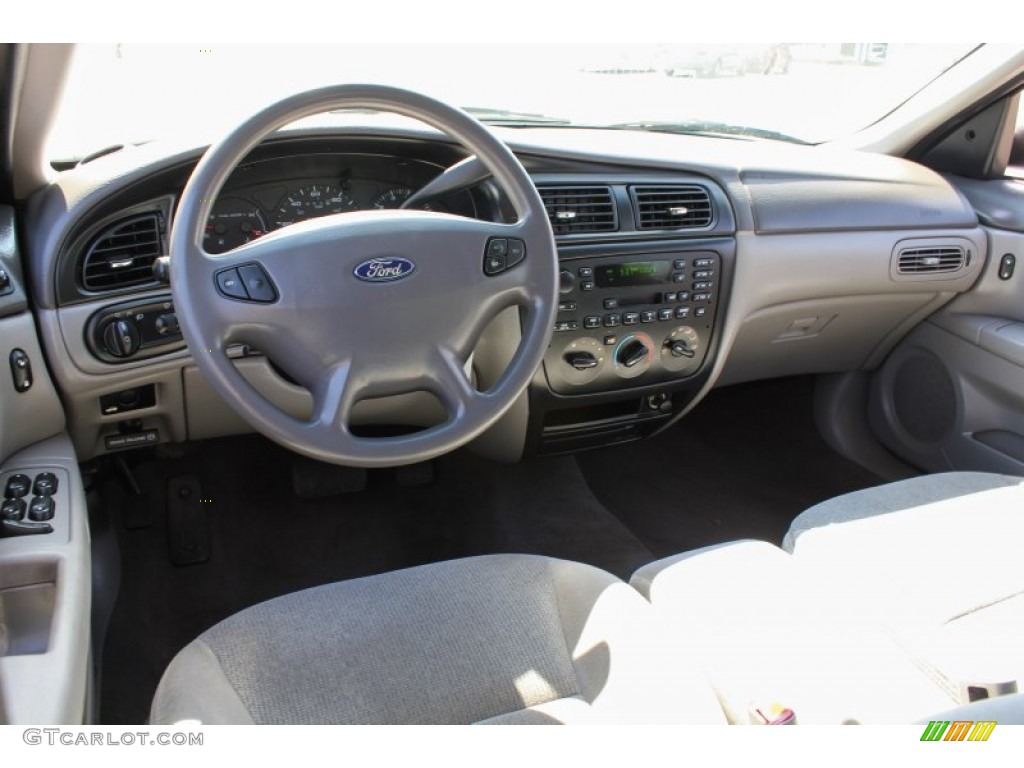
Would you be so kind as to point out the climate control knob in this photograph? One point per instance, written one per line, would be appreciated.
(681, 350)
(582, 362)
(633, 355)
(121, 338)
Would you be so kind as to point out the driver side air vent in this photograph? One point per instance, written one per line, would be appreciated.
(686, 207)
(915, 261)
(576, 210)
(122, 255)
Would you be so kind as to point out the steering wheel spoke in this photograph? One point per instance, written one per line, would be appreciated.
(451, 383)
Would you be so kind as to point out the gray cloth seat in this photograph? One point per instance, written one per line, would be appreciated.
(771, 636)
(936, 562)
(495, 639)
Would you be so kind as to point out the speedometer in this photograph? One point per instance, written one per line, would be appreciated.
(392, 198)
(311, 202)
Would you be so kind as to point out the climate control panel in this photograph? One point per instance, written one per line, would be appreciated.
(626, 321)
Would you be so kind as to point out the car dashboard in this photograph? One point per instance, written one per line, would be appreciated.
(685, 263)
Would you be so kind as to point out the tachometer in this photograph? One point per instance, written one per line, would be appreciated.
(311, 202)
(391, 198)
(233, 222)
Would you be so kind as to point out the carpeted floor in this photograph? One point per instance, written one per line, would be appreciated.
(742, 465)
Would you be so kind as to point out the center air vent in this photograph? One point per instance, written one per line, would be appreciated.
(575, 210)
(671, 207)
(916, 261)
(122, 255)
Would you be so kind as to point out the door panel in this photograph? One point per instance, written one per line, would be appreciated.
(951, 395)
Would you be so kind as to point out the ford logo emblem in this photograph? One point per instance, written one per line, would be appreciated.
(384, 270)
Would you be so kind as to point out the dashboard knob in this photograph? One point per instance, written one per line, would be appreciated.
(566, 281)
(121, 338)
(680, 348)
(581, 361)
(633, 353)
(167, 325)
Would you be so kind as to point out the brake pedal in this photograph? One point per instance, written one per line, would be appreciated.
(415, 475)
(316, 480)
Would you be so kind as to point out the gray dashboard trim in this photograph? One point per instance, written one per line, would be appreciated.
(999, 202)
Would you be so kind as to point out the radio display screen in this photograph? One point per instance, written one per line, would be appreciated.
(631, 273)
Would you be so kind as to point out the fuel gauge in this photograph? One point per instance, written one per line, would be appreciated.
(233, 222)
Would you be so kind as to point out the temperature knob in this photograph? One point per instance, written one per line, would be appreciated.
(633, 355)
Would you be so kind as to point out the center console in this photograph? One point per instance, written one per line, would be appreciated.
(633, 342)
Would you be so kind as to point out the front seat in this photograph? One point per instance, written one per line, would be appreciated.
(494, 639)
(936, 561)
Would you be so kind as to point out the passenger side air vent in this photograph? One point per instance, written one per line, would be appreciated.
(122, 255)
(686, 207)
(578, 210)
(916, 261)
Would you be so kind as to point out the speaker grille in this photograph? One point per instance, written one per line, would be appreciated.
(924, 398)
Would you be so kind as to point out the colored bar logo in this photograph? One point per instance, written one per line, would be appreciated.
(958, 730)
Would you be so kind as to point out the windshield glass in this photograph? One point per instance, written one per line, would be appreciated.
(126, 93)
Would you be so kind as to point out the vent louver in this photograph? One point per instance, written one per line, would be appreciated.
(122, 255)
(671, 207)
(576, 210)
(917, 261)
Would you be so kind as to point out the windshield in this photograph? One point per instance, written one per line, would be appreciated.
(125, 93)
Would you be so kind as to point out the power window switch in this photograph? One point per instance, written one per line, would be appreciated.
(41, 509)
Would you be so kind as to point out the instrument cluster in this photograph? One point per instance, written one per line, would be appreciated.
(265, 196)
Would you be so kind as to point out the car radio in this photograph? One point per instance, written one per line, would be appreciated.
(626, 321)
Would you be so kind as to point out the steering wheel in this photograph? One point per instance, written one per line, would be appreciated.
(366, 304)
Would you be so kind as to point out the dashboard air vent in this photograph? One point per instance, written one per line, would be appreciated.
(916, 261)
(576, 210)
(671, 207)
(122, 255)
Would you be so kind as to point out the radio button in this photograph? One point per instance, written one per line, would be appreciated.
(702, 297)
(679, 277)
(679, 264)
(706, 286)
(684, 296)
(703, 274)
(703, 262)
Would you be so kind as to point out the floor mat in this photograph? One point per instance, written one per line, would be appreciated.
(264, 541)
(743, 464)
